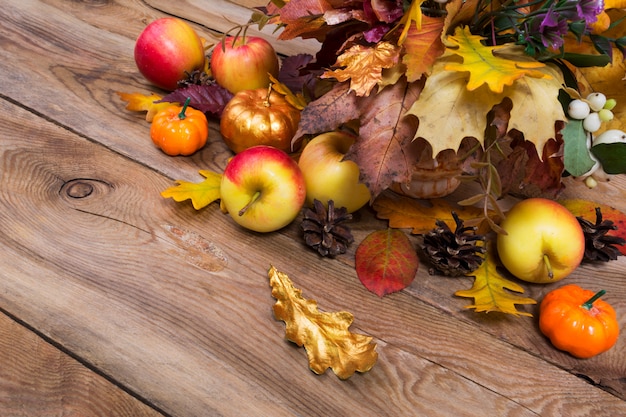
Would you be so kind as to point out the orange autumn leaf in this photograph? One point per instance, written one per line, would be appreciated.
(324, 335)
(363, 66)
(201, 194)
(423, 47)
(409, 213)
(386, 262)
(484, 66)
(141, 102)
(493, 292)
(413, 14)
(587, 210)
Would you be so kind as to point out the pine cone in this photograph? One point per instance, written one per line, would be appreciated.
(598, 245)
(195, 77)
(323, 231)
(453, 253)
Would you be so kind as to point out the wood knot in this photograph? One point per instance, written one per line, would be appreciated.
(83, 187)
(79, 189)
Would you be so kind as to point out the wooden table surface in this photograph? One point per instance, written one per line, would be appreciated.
(117, 302)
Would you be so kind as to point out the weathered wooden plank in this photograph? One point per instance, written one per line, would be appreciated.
(37, 379)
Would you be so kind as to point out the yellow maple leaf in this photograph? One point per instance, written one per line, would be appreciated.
(201, 194)
(492, 292)
(325, 336)
(363, 66)
(483, 66)
(142, 102)
(448, 111)
(409, 213)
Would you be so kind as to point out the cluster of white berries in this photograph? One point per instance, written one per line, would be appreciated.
(593, 110)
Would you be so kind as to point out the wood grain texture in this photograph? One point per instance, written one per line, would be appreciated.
(36, 379)
(174, 304)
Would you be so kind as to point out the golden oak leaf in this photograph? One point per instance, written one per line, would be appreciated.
(414, 14)
(325, 336)
(409, 213)
(448, 112)
(142, 102)
(364, 66)
(423, 47)
(483, 66)
(492, 292)
(201, 194)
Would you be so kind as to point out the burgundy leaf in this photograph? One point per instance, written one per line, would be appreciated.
(209, 99)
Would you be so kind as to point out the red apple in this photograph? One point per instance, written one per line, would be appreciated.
(328, 176)
(544, 241)
(166, 49)
(243, 63)
(262, 189)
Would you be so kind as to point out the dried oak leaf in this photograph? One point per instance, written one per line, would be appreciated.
(386, 261)
(409, 213)
(492, 292)
(141, 102)
(201, 194)
(448, 111)
(210, 99)
(363, 66)
(325, 336)
(586, 209)
(423, 47)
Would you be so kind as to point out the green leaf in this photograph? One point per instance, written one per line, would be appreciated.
(612, 156)
(586, 60)
(575, 153)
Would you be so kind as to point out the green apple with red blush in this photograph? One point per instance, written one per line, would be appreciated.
(262, 189)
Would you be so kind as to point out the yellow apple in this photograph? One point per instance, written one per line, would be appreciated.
(328, 176)
(262, 189)
(544, 241)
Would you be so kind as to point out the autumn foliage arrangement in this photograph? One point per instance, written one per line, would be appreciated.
(432, 93)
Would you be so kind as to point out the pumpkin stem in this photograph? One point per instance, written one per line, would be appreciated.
(589, 303)
(266, 103)
(182, 114)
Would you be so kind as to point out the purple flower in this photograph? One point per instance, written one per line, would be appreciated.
(588, 10)
(550, 28)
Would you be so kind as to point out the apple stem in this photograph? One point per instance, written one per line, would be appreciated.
(182, 114)
(254, 198)
(549, 266)
(589, 303)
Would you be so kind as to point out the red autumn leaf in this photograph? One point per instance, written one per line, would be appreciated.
(587, 210)
(386, 262)
(209, 99)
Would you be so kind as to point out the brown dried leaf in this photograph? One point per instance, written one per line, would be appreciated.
(409, 213)
(384, 151)
(325, 336)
